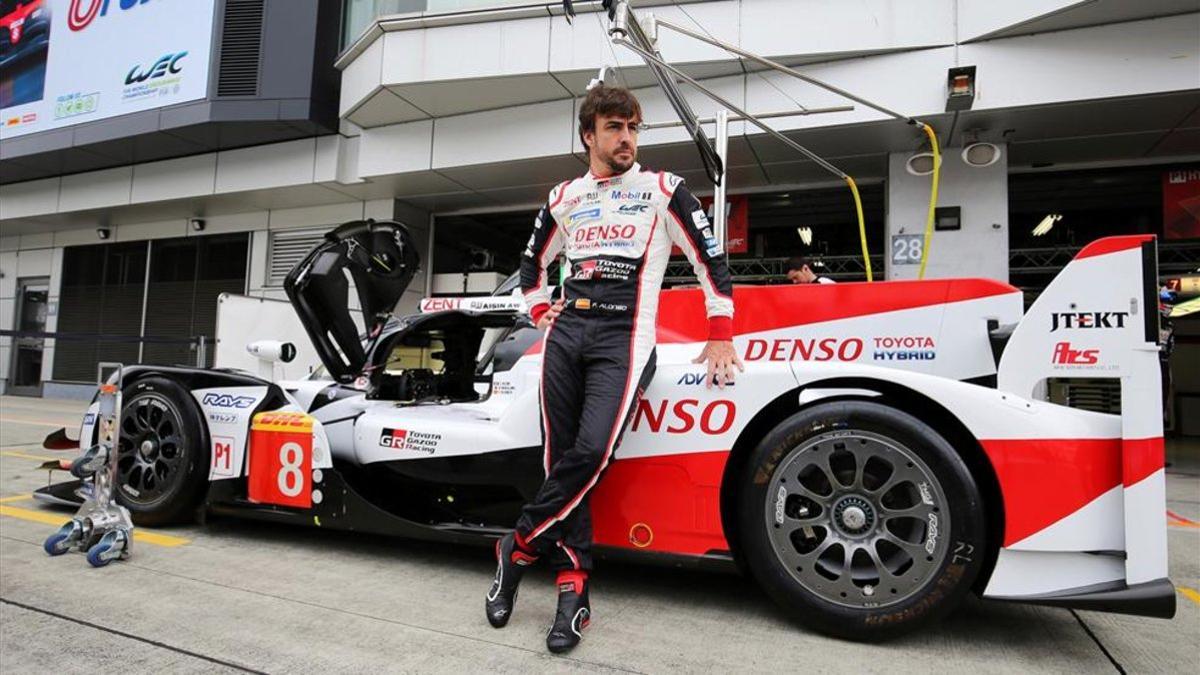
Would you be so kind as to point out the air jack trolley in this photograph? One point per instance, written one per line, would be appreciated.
(101, 527)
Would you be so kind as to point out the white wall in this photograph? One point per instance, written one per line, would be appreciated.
(980, 248)
(24, 257)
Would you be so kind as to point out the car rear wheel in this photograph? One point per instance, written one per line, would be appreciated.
(860, 520)
(163, 456)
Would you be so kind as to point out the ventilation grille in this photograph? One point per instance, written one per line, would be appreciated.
(241, 46)
(286, 249)
(1102, 395)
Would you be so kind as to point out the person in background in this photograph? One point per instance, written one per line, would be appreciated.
(799, 271)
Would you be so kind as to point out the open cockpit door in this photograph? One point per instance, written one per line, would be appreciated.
(380, 259)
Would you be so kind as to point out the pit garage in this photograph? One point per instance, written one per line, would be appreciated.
(308, 400)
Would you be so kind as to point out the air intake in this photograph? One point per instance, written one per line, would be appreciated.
(241, 47)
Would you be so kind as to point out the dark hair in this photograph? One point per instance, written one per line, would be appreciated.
(798, 262)
(607, 101)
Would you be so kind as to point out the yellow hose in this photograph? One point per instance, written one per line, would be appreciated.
(937, 168)
(862, 226)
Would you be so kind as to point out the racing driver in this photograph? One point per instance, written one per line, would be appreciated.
(617, 226)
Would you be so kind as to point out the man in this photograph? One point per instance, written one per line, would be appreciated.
(617, 225)
(799, 271)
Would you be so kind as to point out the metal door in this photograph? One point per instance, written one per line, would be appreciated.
(25, 369)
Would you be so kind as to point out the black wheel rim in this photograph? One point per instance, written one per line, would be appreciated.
(857, 519)
(152, 452)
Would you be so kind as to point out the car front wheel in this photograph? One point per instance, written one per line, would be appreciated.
(163, 456)
(861, 520)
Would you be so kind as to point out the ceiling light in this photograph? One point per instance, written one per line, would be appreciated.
(1046, 224)
(920, 164)
(980, 154)
(806, 235)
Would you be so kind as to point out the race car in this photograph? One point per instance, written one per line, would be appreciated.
(888, 449)
(24, 29)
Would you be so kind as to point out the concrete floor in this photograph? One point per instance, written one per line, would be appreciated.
(240, 596)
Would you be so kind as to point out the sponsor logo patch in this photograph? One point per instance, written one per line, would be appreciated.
(604, 236)
(1082, 320)
(804, 349)
(681, 417)
(223, 418)
(630, 209)
(584, 216)
(404, 439)
(227, 400)
(904, 348)
(694, 379)
(604, 269)
(1066, 355)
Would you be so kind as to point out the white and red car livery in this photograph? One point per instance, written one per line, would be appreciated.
(888, 448)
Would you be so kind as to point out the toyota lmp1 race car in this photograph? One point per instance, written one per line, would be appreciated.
(888, 449)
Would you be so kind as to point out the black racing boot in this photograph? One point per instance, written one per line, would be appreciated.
(511, 563)
(574, 613)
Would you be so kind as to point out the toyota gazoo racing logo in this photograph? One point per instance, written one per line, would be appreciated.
(601, 268)
(403, 439)
(81, 13)
(167, 64)
(227, 400)
(393, 438)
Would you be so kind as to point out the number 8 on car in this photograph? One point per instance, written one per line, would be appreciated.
(281, 459)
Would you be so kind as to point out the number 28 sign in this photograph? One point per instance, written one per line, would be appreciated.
(907, 249)
(281, 459)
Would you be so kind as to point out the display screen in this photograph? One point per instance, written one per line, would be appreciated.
(63, 62)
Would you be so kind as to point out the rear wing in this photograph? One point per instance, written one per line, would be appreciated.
(1099, 319)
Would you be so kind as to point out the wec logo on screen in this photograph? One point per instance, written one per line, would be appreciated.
(167, 63)
(82, 12)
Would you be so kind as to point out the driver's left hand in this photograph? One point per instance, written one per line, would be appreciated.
(721, 358)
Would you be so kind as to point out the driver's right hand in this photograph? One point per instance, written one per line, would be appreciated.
(550, 315)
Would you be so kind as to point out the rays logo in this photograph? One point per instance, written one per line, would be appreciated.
(227, 400)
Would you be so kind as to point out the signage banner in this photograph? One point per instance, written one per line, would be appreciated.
(1181, 203)
(63, 62)
(737, 224)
